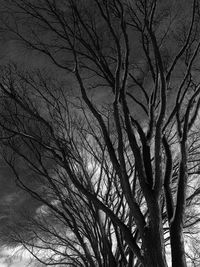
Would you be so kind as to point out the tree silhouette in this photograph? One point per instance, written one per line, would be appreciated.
(118, 173)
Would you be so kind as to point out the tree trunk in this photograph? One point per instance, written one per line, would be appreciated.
(154, 249)
(176, 225)
(177, 246)
(154, 255)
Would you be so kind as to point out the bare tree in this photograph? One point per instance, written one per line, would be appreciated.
(143, 56)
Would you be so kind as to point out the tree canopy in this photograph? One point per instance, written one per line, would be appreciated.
(105, 134)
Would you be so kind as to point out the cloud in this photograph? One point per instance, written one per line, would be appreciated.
(7, 260)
